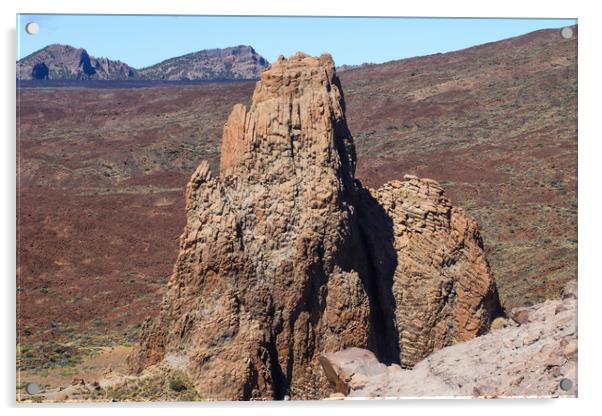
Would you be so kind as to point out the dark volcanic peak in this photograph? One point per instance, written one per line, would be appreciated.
(64, 62)
(238, 62)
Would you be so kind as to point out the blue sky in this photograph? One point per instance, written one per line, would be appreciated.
(144, 40)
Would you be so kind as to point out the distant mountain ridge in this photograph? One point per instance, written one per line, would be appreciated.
(238, 62)
(65, 62)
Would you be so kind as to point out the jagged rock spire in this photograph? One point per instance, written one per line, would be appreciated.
(286, 256)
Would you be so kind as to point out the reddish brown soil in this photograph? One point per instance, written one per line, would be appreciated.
(497, 126)
(101, 175)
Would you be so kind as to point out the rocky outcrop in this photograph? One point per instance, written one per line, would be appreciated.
(286, 256)
(238, 62)
(268, 275)
(535, 358)
(64, 62)
(429, 261)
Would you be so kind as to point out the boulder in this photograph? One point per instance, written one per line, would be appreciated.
(530, 360)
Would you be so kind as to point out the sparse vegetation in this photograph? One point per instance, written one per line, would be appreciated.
(173, 386)
(176, 384)
(99, 322)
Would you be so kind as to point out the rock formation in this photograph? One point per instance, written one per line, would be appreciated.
(238, 62)
(286, 255)
(531, 358)
(64, 62)
(430, 264)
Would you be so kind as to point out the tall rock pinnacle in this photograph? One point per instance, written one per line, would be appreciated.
(286, 256)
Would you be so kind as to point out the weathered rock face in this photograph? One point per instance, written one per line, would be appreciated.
(268, 274)
(286, 256)
(430, 261)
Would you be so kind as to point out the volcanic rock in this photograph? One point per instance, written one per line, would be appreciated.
(506, 362)
(64, 62)
(238, 62)
(286, 256)
(430, 263)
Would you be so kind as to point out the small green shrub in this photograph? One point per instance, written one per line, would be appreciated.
(98, 322)
(177, 385)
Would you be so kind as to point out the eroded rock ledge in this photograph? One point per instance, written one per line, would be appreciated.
(527, 356)
(285, 255)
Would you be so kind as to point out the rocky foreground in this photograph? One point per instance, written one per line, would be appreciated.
(533, 354)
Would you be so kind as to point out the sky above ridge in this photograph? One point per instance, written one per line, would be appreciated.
(145, 40)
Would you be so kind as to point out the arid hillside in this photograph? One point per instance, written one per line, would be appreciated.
(496, 125)
(101, 177)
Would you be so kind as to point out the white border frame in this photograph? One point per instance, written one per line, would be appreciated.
(590, 176)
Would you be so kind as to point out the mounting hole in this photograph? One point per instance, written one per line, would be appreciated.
(566, 32)
(32, 388)
(32, 28)
(566, 384)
